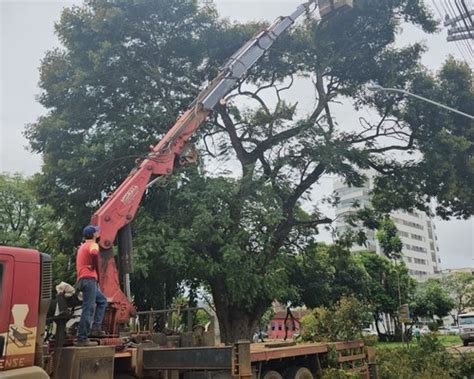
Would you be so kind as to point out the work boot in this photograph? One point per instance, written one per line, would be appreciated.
(95, 333)
(85, 343)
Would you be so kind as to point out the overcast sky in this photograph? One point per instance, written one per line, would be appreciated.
(27, 33)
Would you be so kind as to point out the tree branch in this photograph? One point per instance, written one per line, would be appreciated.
(284, 227)
(408, 146)
(244, 157)
(322, 221)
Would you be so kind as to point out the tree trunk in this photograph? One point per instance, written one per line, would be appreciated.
(376, 319)
(236, 321)
(236, 326)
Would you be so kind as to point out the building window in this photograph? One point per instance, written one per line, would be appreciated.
(280, 327)
(408, 223)
(347, 190)
(420, 261)
(273, 325)
(418, 272)
(413, 214)
(417, 237)
(418, 249)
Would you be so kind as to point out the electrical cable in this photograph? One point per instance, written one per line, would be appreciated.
(454, 15)
(451, 14)
(459, 45)
(461, 14)
(468, 13)
(440, 13)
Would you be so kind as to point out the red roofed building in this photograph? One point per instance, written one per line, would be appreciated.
(276, 328)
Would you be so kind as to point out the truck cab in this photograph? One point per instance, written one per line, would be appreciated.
(466, 327)
(25, 294)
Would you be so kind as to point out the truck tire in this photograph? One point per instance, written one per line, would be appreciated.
(465, 342)
(272, 374)
(298, 373)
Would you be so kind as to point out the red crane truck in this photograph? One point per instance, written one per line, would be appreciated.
(26, 278)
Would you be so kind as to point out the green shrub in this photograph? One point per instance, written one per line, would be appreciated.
(429, 359)
(370, 340)
(341, 322)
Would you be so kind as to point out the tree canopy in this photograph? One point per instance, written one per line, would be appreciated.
(24, 222)
(323, 274)
(389, 286)
(460, 286)
(432, 299)
(127, 68)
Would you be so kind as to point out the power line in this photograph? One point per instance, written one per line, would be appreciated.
(464, 18)
(463, 55)
(453, 15)
(449, 16)
(468, 13)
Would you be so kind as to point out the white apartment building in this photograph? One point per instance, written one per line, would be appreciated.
(417, 230)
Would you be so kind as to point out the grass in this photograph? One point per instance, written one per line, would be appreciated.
(449, 340)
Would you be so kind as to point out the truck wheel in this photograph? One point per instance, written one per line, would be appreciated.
(272, 374)
(298, 373)
(465, 342)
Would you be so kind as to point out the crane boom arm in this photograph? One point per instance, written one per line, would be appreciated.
(120, 208)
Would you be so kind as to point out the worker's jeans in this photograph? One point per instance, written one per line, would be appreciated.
(91, 296)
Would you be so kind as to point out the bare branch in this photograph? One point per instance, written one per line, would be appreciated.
(292, 79)
(329, 118)
(301, 188)
(384, 149)
(322, 221)
(322, 97)
(243, 156)
(206, 146)
(256, 97)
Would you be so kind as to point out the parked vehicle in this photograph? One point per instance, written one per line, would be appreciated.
(257, 337)
(369, 332)
(443, 330)
(466, 325)
(454, 330)
(425, 330)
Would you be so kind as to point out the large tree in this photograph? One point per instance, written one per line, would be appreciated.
(323, 274)
(24, 222)
(432, 299)
(389, 286)
(460, 286)
(126, 70)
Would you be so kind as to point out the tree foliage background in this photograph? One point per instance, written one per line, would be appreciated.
(24, 222)
(126, 69)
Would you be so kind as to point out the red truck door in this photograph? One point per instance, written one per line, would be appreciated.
(6, 290)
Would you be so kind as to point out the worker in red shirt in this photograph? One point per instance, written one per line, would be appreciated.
(87, 282)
